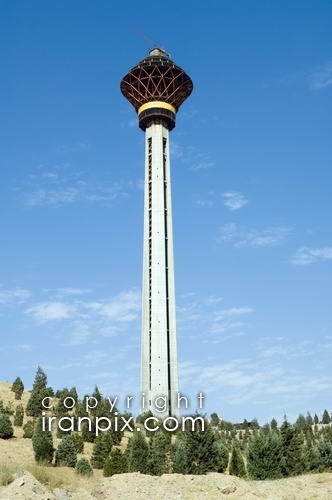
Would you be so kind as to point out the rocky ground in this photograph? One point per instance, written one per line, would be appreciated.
(175, 486)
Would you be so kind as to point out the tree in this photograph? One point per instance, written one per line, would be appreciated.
(179, 456)
(293, 462)
(214, 419)
(83, 467)
(66, 454)
(223, 456)
(19, 415)
(116, 463)
(265, 455)
(301, 421)
(42, 443)
(89, 436)
(309, 420)
(28, 429)
(18, 388)
(324, 449)
(201, 449)
(236, 463)
(101, 449)
(6, 427)
(316, 419)
(78, 442)
(274, 424)
(159, 446)
(138, 453)
(39, 391)
(326, 419)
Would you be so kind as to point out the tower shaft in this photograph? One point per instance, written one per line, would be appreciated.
(159, 375)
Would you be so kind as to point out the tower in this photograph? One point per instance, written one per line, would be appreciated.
(157, 87)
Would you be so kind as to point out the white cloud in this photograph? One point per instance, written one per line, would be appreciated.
(14, 296)
(62, 185)
(202, 165)
(204, 203)
(234, 200)
(124, 307)
(253, 238)
(306, 255)
(233, 312)
(50, 311)
(72, 291)
(321, 78)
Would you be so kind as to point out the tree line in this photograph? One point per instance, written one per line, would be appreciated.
(245, 449)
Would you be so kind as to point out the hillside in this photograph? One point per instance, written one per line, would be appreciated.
(28, 480)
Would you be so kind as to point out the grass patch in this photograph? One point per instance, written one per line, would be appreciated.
(7, 474)
(46, 475)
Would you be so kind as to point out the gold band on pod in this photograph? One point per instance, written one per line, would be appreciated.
(156, 104)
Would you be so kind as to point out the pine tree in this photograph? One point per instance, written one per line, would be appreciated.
(159, 446)
(89, 436)
(66, 454)
(19, 415)
(301, 421)
(326, 419)
(292, 446)
(316, 419)
(18, 388)
(324, 449)
(309, 420)
(78, 442)
(223, 456)
(6, 427)
(39, 391)
(274, 424)
(101, 449)
(265, 455)
(42, 443)
(138, 454)
(28, 429)
(202, 450)
(236, 463)
(311, 457)
(179, 456)
(214, 419)
(116, 463)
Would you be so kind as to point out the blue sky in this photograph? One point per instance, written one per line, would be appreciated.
(251, 173)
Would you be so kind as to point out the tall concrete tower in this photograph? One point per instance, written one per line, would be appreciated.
(157, 87)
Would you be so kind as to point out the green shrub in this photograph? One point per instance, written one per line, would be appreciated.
(236, 464)
(18, 388)
(324, 449)
(19, 415)
(66, 454)
(223, 456)
(8, 409)
(28, 429)
(39, 392)
(78, 442)
(265, 455)
(42, 443)
(159, 446)
(101, 449)
(83, 467)
(137, 454)
(6, 427)
(116, 463)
